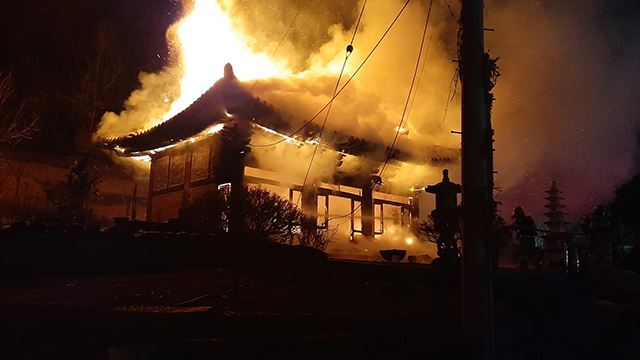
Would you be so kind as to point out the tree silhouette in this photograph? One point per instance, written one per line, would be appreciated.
(16, 124)
(265, 217)
(81, 185)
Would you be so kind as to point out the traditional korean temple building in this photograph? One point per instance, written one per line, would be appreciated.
(228, 130)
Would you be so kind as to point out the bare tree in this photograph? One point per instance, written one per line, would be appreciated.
(15, 124)
(101, 63)
(317, 238)
(81, 187)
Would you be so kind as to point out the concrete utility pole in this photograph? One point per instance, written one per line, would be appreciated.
(477, 297)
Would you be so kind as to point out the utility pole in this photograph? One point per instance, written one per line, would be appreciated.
(477, 297)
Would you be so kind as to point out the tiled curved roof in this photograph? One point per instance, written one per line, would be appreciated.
(225, 96)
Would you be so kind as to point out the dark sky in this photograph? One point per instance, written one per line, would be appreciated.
(49, 47)
(567, 104)
(41, 39)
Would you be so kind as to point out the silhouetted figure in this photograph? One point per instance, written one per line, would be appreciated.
(446, 193)
(597, 226)
(526, 232)
(445, 216)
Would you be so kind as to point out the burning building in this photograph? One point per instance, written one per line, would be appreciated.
(198, 136)
(188, 155)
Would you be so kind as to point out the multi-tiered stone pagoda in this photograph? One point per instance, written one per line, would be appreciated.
(556, 237)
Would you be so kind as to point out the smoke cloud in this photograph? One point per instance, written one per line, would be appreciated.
(371, 106)
(145, 107)
(565, 107)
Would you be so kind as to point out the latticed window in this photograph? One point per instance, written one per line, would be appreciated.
(176, 174)
(161, 173)
(200, 163)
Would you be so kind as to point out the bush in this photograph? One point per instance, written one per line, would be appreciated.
(315, 237)
(270, 217)
(265, 217)
(205, 214)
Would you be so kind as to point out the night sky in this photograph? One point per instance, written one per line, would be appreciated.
(565, 107)
(567, 104)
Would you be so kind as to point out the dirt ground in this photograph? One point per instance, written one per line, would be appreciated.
(345, 310)
(196, 314)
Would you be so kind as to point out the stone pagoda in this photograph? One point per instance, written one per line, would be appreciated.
(556, 237)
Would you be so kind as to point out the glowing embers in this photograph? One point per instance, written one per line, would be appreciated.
(143, 158)
(286, 138)
(145, 154)
(273, 132)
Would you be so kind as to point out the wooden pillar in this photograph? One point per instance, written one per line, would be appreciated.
(186, 190)
(236, 204)
(477, 297)
(152, 170)
(310, 205)
(366, 209)
(134, 202)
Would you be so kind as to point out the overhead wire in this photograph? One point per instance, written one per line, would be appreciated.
(337, 93)
(343, 86)
(353, 37)
(333, 96)
(373, 183)
(453, 87)
(453, 15)
(424, 63)
(347, 214)
(281, 40)
(413, 80)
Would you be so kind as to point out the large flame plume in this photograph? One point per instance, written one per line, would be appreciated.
(299, 78)
(563, 112)
(208, 41)
(202, 43)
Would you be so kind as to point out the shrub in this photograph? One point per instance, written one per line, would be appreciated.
(265, 217)
(315, 237)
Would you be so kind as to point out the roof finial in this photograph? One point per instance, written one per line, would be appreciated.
(445, 175)
(228, 72)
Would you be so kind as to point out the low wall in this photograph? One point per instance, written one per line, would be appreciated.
(37, 250)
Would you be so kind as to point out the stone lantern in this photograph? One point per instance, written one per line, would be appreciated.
(445, 215)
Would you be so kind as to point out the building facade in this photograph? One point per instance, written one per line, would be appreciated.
(344, 193)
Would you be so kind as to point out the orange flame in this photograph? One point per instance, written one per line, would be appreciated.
(208, 41)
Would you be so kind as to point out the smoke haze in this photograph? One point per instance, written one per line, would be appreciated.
(564, 107)
(372, 105)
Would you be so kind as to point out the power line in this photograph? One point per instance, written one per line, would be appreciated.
(348, 214)
(413, 80)
(453, 87)
(373, 183)
(358, 23)
(453, 15)
(333, 96)
(281, 40)
(343, 86)
(424, 63)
